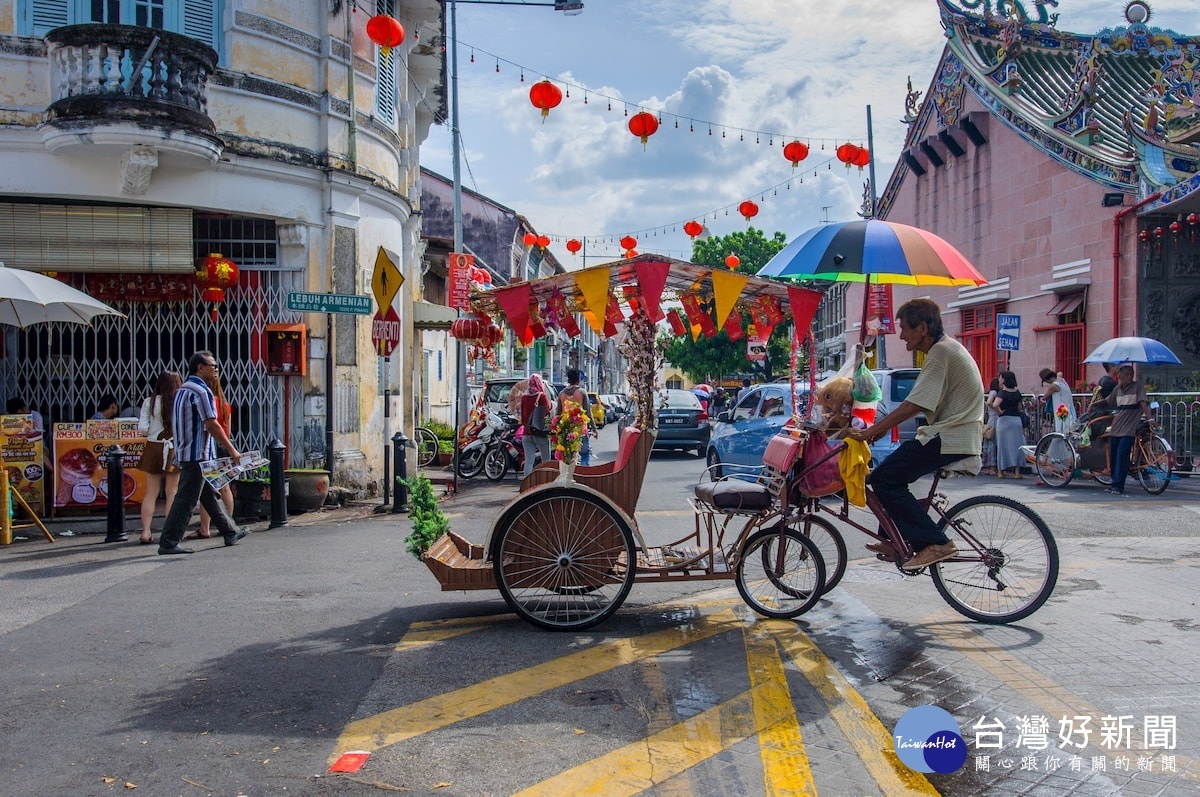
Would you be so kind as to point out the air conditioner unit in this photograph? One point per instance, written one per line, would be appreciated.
(552, 338)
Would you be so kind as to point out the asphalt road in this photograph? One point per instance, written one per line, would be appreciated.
(248, 670)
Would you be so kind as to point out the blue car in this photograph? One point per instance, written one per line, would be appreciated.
(740, 435)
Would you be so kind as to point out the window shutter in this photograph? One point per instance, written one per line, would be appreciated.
(46, 15)
(385, 70)
(199, 21)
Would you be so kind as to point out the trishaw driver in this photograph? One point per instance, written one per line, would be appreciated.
(949, 391)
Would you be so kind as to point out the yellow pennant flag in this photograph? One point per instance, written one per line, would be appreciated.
(593, 287)
(727, 287)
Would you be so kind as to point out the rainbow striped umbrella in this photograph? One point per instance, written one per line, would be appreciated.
(873, 251)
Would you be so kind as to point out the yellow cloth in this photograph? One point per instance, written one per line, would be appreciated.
(855, 462)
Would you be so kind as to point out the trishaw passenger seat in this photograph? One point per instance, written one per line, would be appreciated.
(620, 480)
(737, 494)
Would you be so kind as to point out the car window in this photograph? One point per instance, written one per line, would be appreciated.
(497, 392)
(902, 385)
(678, 399)
(746, 407)
(773, 403)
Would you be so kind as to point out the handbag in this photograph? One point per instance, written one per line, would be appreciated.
(820, 473)
(1024, 419)
(989, 432)
(537, 421)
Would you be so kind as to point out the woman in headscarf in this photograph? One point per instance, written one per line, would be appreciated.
(535, 414)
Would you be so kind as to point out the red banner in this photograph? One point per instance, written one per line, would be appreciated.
(879, 309)
(677, 326)
(696, 314)
(458, 285)
(733, 326)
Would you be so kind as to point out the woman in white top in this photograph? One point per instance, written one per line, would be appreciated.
(1057, 393)
(155, 425)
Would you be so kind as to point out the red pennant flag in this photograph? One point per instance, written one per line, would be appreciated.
(566, 321)
(762, 320)
(804, 305)
(631, 297)
(652, 279)
(676, 322)
(612, 314)
(514, 302)
(733, 327)
(695, 314)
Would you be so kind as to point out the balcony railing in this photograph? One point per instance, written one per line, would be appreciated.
(124, 73)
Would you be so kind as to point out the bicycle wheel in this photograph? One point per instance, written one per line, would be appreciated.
(562, 558)
(1152, 461)
(1054, 459)
(427, 447)
(1007, 564)
(829, 542)
(471, 462)
(495, 463)
(780, 575)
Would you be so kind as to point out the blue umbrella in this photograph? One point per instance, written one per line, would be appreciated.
(1133, 350)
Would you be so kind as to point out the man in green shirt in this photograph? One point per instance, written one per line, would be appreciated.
(949, 391)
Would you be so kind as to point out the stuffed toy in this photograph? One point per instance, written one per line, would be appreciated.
(833, 403)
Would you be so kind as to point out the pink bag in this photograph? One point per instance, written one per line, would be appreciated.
(826, 477)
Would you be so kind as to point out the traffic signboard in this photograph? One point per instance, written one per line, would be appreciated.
(329, 303)
(1008, 331)
(387, 279)
(385, 332)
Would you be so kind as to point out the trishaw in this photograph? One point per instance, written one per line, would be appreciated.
(565, 552)
(1060, 456)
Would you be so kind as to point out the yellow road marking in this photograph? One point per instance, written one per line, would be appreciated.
(785, 762)
(641, 765)
(428, 632)
(858, 723)
(439, 711)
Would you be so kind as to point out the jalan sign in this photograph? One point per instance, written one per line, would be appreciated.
(385, 332)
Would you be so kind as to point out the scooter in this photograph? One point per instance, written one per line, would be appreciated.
(476, 439)
(506, 452)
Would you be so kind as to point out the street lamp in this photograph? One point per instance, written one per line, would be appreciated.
(569, 8)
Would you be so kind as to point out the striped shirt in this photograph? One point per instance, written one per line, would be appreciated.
(194, 404)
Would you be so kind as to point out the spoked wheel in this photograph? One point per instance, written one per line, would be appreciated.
(1054, 459)
(470, 462)
(1016, 569)
(563, 558)
(1103, 476)
(829, 542)
(495, 463)
(780, 575)
(1153, 464)
(427, 447)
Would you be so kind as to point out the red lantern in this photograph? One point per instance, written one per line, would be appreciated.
(733, 261)
(643, 125)
(628, 242)
(748, 209)
(545, 95)
(1144, 236)
(693, 229)
(1176, 227)
(846, 153)
(1159, 232)
(573, 246)
(475, 330)
(1193, 219)
(630, 253)
(795, 152)
(543, 241)
(385, 31)
(861, 158)
(214, 274)
(529, 239)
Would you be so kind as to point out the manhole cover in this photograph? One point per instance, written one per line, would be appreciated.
(601, 697)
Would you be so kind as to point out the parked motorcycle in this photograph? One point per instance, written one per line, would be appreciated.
(506, 452)
(476, 439)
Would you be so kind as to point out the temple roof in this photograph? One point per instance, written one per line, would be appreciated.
(1121, 105)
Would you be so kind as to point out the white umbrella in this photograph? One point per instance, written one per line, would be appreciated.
(27, 297)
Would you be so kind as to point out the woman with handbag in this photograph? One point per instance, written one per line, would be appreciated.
(158, 461)
(535, 417)
(1010, 434)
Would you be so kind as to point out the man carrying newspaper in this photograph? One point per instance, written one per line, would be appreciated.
(194, 420)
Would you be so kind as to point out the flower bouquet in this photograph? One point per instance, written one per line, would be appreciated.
(568, 431)
(1062, 414)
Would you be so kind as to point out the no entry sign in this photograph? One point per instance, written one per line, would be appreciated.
(385, 332)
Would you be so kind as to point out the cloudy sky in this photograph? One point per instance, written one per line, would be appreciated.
(799, 68)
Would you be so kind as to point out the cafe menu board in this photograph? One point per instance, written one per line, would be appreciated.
(80, 457)
(21, 452)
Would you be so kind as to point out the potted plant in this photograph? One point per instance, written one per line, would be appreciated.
(428, 522)
(252, 494)
(307, 489)
(445, 435)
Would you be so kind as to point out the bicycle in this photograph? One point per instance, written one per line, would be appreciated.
(426, 443)
(1058, 456)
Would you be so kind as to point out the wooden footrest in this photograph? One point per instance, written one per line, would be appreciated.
(457, 564)
(681, 558)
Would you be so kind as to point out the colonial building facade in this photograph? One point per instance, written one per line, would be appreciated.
(1064, 166)
(140, 135)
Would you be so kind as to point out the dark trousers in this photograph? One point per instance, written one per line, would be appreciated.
(890, 482)
(192, 486)
(1119, 449)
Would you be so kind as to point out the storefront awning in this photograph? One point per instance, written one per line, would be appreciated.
(427, 315)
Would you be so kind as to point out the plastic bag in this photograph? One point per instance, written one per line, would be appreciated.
(866, 388)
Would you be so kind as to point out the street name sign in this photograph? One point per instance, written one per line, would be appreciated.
(1008, 331)
(329, 303)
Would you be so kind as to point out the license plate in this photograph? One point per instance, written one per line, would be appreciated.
(675, 420)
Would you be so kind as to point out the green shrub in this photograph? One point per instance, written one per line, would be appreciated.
(427, 519)
(444, 431)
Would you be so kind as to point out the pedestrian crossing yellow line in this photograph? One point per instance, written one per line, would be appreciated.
(641, 765)
(858, 723)
(781, 745)
(398, 724)
(427, 633)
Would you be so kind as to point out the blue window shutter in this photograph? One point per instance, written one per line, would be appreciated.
(199, 21)
(43, 16)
